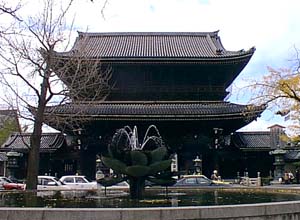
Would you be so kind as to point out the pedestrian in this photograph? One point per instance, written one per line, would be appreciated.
(291, 177)
(297, 174)
(215, 176)
(286, 177)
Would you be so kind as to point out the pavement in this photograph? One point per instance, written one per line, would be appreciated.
(275, 185)
(285, 186)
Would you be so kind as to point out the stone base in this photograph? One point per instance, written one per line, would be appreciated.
(263, 211)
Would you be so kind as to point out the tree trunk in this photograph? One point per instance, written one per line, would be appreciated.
(35, 138)
(33, 163)
(34, 156)
(137, 187)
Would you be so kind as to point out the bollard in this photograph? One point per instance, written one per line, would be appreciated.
(258, 183)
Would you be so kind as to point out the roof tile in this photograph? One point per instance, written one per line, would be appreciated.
(152, 45)
(165, 109)
(20, 142)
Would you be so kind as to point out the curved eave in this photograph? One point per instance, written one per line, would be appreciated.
(50, 142)
(153, 111)
(148, 117)
(162, 117)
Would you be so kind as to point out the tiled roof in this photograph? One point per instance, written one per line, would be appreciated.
(50, 142)
(260, 141)
(256, 140)
(292, 155)
(154, 45)
(158, 110)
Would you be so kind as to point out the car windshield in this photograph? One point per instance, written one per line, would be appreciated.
(191, 181)
(7, 180)
(55, 178)
(59, 181)
(88, 179)
(46, 180)
(202, 180)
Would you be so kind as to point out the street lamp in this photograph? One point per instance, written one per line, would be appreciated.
(78, 133)
(99, 173)
(198, 165)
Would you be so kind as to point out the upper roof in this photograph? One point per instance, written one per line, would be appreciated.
(154, 45)
(19, 142)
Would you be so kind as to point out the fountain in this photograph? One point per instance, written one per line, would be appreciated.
(138, 162)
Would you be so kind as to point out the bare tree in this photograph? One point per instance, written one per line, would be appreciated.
(30, 59)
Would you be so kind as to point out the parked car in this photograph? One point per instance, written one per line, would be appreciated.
(8, 184)
(51, 183)
(79, 182)
(197, 181)
(4, 180)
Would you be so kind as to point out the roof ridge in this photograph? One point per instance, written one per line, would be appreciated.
(166, 33)
(29, 133)
(149, 102)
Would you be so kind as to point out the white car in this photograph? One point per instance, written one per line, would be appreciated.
(50, 183)
(79, 182)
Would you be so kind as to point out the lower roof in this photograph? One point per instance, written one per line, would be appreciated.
(153, 110)
(20, 142)
(253, 141)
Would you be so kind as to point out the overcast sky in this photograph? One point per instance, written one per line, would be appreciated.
(272, 26)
